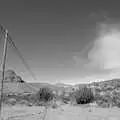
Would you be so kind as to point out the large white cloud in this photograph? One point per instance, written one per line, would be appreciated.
(103, 60)
(106, 51)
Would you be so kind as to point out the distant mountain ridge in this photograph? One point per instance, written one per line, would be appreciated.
(62, 85)
(14, 83)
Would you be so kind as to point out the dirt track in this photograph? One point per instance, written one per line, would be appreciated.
(77, 113)
(63, 113)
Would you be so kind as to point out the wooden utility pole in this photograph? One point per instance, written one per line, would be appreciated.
(3, 71)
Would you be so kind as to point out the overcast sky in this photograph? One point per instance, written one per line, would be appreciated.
(66, 40)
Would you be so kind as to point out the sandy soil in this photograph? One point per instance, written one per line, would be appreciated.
(65, 112)
(23, 113)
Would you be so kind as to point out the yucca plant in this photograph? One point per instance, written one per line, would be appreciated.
(84, 95)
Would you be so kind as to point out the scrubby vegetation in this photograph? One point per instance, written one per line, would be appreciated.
(65, 97)
(84, 95)
(108, 99)
(44, 94)
(41, 98)
(107, 93)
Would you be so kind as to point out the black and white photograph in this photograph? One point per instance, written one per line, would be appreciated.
(59, 60)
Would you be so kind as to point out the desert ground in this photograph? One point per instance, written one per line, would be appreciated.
(64, 112)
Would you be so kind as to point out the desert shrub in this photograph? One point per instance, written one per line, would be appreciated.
(29, 104)
(11, 101)
(65, 98)
(84, 95)
(54, 105)
(41, 103)
(104, 105)
(104, 101)
(97, 97)
(109, 99)
(26, 97)
(116, 99)
(44, 94)
(23, 102)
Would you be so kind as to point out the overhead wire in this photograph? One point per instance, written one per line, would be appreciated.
(8, 39)
(17, 51)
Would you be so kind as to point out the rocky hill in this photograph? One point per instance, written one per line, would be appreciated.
(107, 93)
(14, 84)
(11, 76)
(108, 85)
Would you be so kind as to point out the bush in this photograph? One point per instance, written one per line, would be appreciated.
(54, 106)
(11, 101)
(23, 102)
(65, 98)
(104, 105)
(84, 95)
(44, 94)
(106, 100)
(116, 99)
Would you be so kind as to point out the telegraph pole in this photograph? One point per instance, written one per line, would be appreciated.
(3, 71)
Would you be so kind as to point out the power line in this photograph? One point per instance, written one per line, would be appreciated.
(17, 51)
(21, 56)
(8, 39)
